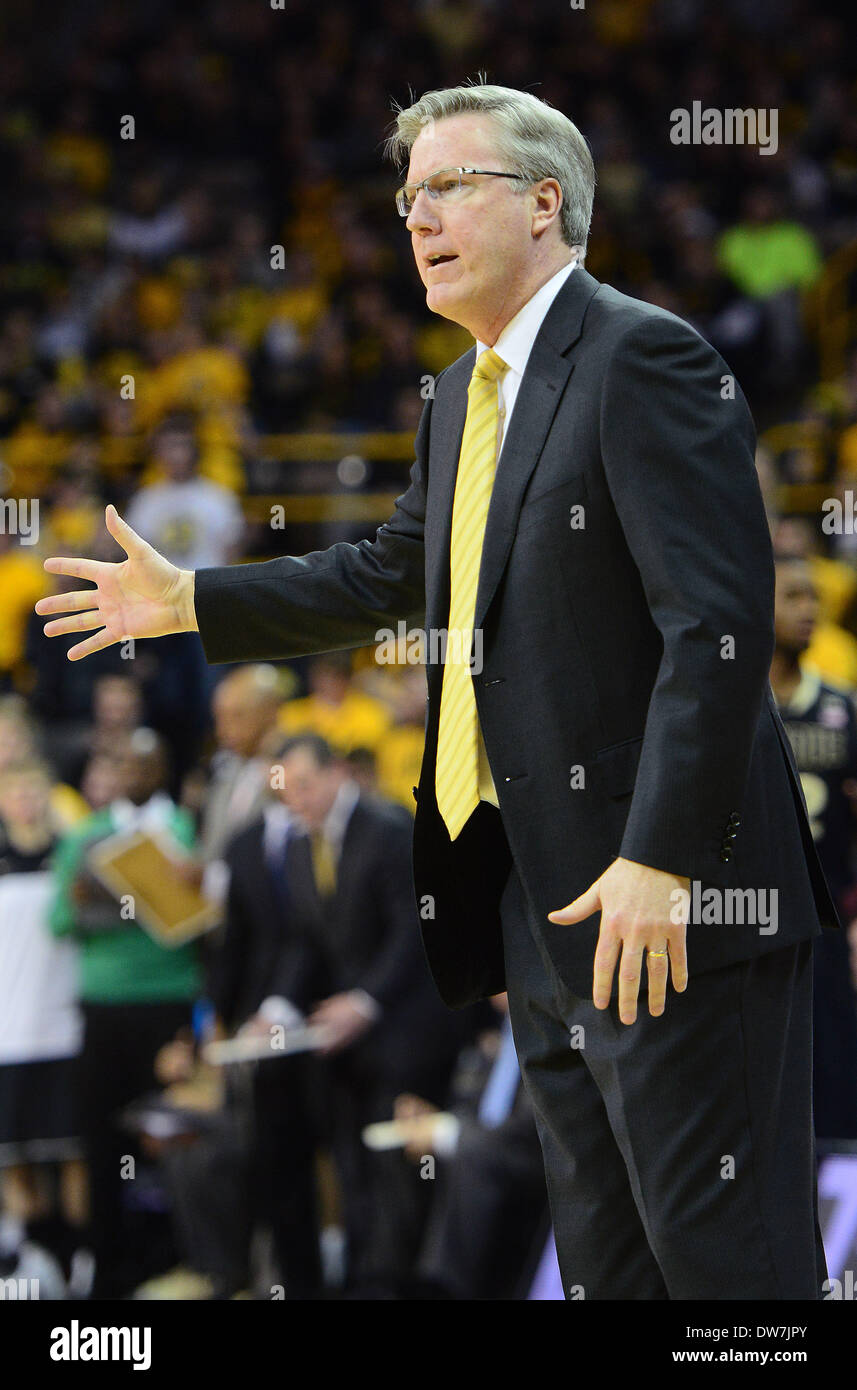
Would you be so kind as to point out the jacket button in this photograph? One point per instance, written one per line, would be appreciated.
(734, 819)
(725, 855)
(731, 834)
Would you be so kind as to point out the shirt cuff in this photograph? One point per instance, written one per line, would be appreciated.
(447, 1130)
(365, 1004)
(215, 880)
(276, 1009)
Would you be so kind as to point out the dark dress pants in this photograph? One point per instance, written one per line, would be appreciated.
(679, 1151)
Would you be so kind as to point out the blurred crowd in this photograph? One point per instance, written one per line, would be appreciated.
(136, 1158)
(199, 217)
(200, 258)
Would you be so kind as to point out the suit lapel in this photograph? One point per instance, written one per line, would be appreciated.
(545, 377)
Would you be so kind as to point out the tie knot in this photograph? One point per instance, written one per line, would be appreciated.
(489, 366)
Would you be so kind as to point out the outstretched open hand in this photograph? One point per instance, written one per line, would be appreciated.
(142, 596)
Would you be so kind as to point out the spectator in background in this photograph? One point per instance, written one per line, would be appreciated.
(39, 445)
(19, 739)
(766, 253)
(772, 260)
(135, 995)
(42, 1179)
(245, 706)
(150, 227)
(76, 504)
(22, 583)
(400, 753)
(363, 767)
(334, 709)
(490, 1202)
(358, 971)
(60, 692)
(201, 521)
(100, 783)
(254, 969)
(194, 521)
(117, 710)
(832, 651)
(821, 723)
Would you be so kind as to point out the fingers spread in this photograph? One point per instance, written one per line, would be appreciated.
(80, 622)
(579, 909)
(121, 531)
(97, 643)
(67, 603)
(75, 566)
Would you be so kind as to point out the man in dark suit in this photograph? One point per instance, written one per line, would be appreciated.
(353, 965)
(607, 799)
(489, 1207)
(253, 1161)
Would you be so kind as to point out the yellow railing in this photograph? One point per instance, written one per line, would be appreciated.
(320, 506)
(376, 447)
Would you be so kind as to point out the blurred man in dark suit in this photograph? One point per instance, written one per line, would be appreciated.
(357, 970)
(822, 727)
(257, 1163)
(489, 1205)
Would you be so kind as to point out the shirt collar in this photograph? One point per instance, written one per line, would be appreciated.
(152, 815)
(339, 814)
(515, 343)
(278, 822)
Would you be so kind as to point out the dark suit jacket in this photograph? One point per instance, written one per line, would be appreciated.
(635, 648)
(365, 936)
(248, 962)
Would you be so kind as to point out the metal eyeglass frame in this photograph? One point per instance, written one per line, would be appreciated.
(404, 210)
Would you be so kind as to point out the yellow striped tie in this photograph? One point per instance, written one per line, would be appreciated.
(457, 771)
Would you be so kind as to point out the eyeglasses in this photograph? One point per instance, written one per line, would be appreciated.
(446, 184)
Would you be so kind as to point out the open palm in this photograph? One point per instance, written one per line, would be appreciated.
(136, 597)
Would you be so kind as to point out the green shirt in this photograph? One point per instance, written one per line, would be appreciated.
(763, 260)
(120, 964)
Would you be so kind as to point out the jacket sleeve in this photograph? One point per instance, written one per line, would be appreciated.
(677, 443)
(327, 600)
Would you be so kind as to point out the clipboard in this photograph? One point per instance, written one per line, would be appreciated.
(141, 864)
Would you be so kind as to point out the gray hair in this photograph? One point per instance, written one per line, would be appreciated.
(538, 142)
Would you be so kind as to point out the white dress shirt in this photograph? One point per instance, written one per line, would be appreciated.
(337, 818)
(514, 345)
